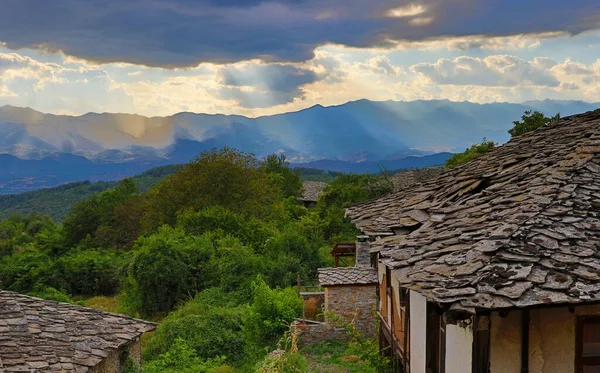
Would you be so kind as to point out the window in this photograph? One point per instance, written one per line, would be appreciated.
(588, 344)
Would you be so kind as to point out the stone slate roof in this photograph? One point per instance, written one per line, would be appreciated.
(517, 227)
(312, 190)
(347, 276)
(409, 178)
(46, 336)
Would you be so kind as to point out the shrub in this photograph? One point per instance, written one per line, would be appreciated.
(471, 153)
(181, 358)
(88, 272)
(271, 313)
(210, 324)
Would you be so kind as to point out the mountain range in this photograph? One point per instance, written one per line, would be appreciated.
(40, 150)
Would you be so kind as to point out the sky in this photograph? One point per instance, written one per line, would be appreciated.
(253, 58)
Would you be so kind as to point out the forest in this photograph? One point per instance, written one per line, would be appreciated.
(212, 252)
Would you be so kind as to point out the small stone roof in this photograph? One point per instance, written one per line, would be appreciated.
(347, 276)
(46, 336)
(312, 190)
(517, 227)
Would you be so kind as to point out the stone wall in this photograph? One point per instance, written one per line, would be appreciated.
(355, 303)
(112, 361)
(312, 332)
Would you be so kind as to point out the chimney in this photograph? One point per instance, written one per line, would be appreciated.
(363, 255)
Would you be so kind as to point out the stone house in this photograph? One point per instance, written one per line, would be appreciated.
(349, 293)
(494, 266)
(311, 190)
(38, 335)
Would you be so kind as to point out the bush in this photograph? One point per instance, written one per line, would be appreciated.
(210, 324)
(181, 358)
(475, 151)
(249, 230)
(159, 272)
(88, 273)
(530, 121)
(26, 270)
(51, 293)
(270, 314)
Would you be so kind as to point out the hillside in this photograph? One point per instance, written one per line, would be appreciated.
(57, 201)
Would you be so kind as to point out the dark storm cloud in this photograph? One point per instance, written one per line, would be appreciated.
(262, 85)
(181, 33)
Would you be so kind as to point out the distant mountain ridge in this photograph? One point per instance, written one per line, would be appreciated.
(41, 150)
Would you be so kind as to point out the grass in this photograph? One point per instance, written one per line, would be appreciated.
(334, 357)
(107, 304)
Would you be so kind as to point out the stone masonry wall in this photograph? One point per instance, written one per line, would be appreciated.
(112, 362)
(313, 332)
(355, 304)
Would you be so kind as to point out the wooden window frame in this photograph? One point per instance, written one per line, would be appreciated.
(580, 361)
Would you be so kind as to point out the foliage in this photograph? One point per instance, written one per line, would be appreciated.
(211, 325)
(282, 176)
(88, 272)
(57, 201)
(530, 121)
(25, 270)
(87, 216)
(335, 356)
(181, 358)
(313, 174)
(159, 270)
(285, 359)
(271, 313)
(51, 293)
(213, 249)
(475, 151)
(249, 230)
(226, 178)
(366, 349)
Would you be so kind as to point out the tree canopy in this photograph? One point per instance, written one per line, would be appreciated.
(530, 121)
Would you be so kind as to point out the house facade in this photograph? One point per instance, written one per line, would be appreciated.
(38, 335)
(494, 266)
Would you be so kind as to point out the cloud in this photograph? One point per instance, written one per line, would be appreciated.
(381, 65)
(184, 33)
(258, 85)
(498, 70)
(49, 86)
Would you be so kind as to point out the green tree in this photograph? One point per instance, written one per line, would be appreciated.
(475, 151)
(159, 272)
(278, 169)
(226, 178)
(88, 215)
(530, 121)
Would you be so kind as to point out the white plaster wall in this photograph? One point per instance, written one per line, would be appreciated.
(505, 343)
(551, 341)
(459, 349)
(418, 332)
